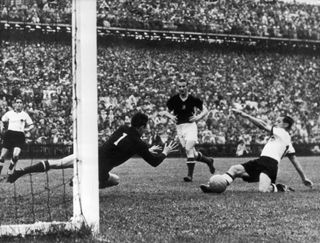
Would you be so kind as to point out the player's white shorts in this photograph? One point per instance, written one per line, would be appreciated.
(187, 132)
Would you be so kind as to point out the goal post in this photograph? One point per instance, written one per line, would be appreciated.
(85, 130)
(84, 48)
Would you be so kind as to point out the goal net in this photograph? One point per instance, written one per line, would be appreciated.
(65, 199)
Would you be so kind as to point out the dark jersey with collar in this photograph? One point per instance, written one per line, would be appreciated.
(184, 109)
(121, 146)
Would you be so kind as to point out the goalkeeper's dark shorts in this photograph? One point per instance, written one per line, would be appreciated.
(13, 139)
(264, 165)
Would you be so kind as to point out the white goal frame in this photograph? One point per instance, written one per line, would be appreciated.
(85, 112)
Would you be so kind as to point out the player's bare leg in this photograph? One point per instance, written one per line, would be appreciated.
(233, 172)
(66, 162)
(265, 185)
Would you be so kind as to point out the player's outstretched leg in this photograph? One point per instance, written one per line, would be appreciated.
(38, 167)
(228, 177)
(208, 160)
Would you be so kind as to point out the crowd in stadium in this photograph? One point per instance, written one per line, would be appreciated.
(132, 78)
(251, 17)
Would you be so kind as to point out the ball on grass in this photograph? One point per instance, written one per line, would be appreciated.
(218, 183)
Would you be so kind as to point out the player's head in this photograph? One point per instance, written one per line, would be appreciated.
(285, 122)
(18, 103)
(139, 121)
(182, 86)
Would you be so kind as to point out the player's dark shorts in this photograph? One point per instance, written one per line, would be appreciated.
(12, 139)
(264, 165)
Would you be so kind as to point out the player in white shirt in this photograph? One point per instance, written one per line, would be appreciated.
(18, 122)
(264, 169)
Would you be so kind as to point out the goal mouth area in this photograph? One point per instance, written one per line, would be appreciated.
(40, 228)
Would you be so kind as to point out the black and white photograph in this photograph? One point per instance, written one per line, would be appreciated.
(160, 121)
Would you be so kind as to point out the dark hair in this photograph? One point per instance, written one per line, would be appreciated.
(139, 119)
(289, 120)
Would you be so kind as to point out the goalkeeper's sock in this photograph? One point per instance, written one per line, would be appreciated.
(38, 167)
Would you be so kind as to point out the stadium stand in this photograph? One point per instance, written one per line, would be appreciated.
(252, 18)
(137, 76)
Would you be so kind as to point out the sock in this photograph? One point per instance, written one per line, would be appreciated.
(13, 163)
(229, 178)
(274, 187)
(203, 158)
(1, 164)
(190, 164)
(38, 167)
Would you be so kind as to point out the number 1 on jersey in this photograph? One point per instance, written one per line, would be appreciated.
(119, 139)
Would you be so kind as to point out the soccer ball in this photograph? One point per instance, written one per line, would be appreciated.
(218, 183)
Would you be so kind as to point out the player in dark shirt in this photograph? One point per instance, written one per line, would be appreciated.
(122, 145)
(182, 108)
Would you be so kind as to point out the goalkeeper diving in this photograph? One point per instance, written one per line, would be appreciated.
(121, 146)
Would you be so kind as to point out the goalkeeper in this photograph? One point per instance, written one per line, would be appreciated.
(121, 146)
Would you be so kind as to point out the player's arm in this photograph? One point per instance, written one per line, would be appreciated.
(170, 115)
(29, 124)
(298, 167)
(28, 128)
(256, 121)
(201, 115)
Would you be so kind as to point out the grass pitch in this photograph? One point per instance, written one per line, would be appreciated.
(155, 205)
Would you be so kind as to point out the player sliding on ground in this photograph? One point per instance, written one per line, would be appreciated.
(122, 145)
(264, 169)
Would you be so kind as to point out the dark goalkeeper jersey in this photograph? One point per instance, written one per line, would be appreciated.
(121, 146)
(184, 109)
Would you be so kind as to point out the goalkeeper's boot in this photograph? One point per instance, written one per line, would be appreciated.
(15, 175)
(205, 188)
(284, 188)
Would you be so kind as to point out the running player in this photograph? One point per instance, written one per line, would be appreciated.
(17, 122)
(182, 109)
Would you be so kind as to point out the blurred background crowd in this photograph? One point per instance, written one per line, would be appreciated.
(133, 77)
(241, 17)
